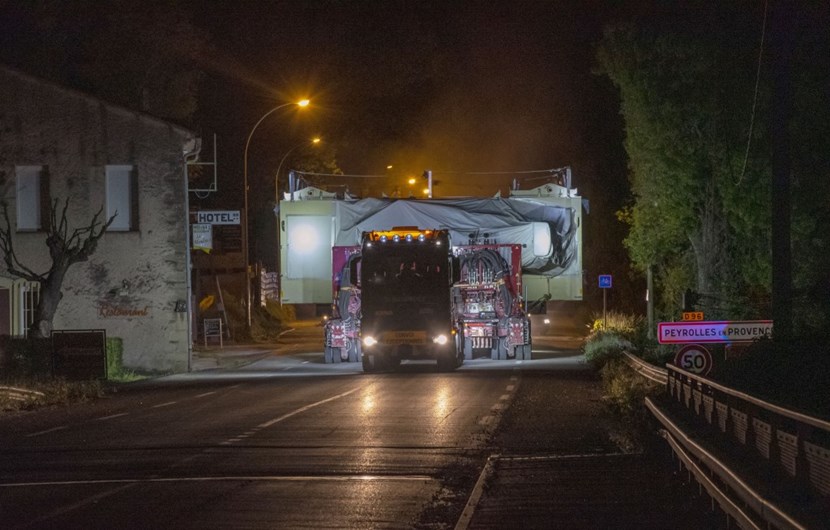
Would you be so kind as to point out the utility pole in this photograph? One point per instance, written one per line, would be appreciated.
(782, 52)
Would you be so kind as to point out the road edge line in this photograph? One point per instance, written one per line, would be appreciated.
(472, 503)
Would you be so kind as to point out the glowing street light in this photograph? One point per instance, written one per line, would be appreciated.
(314, 141)
(301, 103)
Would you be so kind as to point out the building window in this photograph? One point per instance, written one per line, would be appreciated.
(32, 196)
(122, 198)
(20, 298)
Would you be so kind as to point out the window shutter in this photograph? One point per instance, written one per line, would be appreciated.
(45, 200)
(134, 199)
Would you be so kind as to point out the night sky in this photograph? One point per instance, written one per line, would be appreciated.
(460, 88)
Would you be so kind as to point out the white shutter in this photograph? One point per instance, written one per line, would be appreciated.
(28, 197)
(119, 200)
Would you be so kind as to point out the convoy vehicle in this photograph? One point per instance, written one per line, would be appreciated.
(407, 293)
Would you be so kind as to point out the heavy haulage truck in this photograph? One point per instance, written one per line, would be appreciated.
(408, 293)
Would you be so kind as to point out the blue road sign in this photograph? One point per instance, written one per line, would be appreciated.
(605, 281)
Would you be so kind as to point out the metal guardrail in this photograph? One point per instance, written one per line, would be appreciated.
(647, 370)
(794, 443)
(690, 453)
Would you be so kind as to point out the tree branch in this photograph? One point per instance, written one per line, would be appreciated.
(13, 264)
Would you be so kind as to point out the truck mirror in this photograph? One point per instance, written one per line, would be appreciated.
(456, 269)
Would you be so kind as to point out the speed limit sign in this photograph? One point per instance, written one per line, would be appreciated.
(694, 358)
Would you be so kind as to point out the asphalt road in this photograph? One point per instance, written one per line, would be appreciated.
(289, 442)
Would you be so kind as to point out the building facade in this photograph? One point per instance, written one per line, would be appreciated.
(59, 144)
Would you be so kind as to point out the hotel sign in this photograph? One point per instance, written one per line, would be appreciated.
(724, 332)
(220, 217)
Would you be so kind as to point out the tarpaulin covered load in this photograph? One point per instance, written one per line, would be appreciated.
(472, 221)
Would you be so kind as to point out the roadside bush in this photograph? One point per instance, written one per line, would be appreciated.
(31, 393)
(658, 354)
(628, 326)
(602, 346)
(115, 356)
(115, 362)
(282, 313)
(28, 357)
(624, 388)
(268, 321)
(624, 392)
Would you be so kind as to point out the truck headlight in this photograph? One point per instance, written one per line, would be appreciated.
(440, 339)
(369, 341)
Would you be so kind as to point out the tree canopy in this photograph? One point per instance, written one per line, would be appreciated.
(698, 140)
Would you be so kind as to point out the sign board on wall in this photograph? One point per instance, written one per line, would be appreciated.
(203, 237)
(218, 217)
(722, 332)
(79, 354)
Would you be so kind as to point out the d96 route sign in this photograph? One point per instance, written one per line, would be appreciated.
(694, 358)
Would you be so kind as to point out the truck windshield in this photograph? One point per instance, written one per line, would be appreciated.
(404, 273)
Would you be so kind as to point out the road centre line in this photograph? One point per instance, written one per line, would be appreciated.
(53, 429)
(164, 404)
(111, 416)
(504, 397)
(305, 408)
(268, 478)
(206, 394)
(510, 388)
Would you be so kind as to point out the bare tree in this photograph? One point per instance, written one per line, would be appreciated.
(65, 249)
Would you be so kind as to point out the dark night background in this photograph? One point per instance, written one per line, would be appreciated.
(455, 87)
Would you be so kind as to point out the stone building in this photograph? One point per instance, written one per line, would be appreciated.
(61, 144)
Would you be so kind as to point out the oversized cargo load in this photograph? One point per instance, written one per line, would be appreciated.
(544, 221)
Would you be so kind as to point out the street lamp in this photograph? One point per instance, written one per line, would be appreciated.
(301, 103)
(314, 141)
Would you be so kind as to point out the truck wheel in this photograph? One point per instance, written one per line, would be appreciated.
(328, 355)
(354, 353)
(335, 355)
(499, 349)
(527, 350)
(368, 363)
(446, 363)
(466, 346)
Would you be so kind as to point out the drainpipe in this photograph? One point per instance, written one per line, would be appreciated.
(190, 152)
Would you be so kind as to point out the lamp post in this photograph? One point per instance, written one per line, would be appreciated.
(314, 141)
(301, 103)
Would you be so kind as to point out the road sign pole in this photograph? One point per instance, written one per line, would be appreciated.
(604, 315)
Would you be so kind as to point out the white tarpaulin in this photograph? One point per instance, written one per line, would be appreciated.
(471, 221)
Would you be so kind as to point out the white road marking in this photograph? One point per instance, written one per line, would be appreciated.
(467, 515)
(504, 397)
(303, 409)
(206, 394)
(53, 429)
(111, 416)
(510, 388)
(291, 478)
(164, 404)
